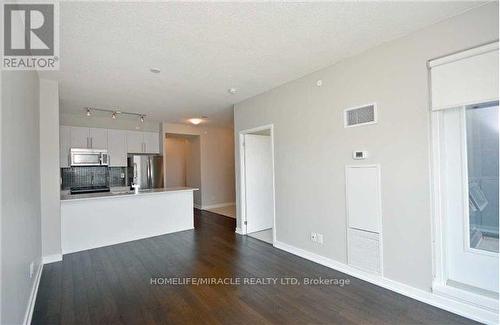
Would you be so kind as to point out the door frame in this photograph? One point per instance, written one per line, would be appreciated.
(242, 197)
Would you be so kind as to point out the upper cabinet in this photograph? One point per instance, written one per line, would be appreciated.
(79, 137)
(64, 145)
(90, 138)
(98, 138)
(117, 148)
(135, 142)
(151, 142)
(143, 142)
(118, 143)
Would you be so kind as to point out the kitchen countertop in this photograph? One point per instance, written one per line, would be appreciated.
(123, 193)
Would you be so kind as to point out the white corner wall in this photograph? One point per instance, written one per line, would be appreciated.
(20, 193)
(49, 170)
(312, 146)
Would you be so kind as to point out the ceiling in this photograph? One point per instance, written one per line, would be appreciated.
(205, 48)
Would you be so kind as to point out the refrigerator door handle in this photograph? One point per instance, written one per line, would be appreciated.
(150, 178)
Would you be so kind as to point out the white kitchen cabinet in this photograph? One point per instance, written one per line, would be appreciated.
(143, 142)
(91, 138)
(151, 142)
(98, 138)
(117, 148)
(64, 145)
(135, 142)
(80, 137)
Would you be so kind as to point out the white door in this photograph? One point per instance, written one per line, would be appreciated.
(470, 171)
(151, 142)
(117, 148)
(98, 138)
(64, 145)
(258, 182)
(80, 137)
(135, 142)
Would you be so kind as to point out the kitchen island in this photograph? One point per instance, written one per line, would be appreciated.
(101, 219)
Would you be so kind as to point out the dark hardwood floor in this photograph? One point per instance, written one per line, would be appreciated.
(112, 285)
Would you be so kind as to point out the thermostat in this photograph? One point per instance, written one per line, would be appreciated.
(359, 154)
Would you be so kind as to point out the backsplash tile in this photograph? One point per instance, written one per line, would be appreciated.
(92, 176)
(115, 176)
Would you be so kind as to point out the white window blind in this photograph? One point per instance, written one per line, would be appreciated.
(465, 78)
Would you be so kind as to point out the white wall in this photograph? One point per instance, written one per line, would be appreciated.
(217, 161)
(49, 168)
(175, 160)
(312, 147)
(20, 192)
(193, 167)
(182, 156)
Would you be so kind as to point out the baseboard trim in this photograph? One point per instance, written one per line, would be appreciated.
(456, 307)
(218, 205)
(31, 303)
(239, 231)
(52, 258)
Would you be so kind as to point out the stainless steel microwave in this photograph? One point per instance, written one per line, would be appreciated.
(89, 157)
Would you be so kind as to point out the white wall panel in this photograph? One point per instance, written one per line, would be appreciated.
(363, 198)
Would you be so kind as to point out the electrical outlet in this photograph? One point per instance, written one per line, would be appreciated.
(314, 237)
(122, 175)
(320, 238)
(32, 269)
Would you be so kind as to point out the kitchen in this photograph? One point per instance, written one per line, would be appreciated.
(112, 183)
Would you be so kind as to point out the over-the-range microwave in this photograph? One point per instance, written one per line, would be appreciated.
(89, 157)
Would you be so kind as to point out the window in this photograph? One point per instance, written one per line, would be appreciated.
(482, 132)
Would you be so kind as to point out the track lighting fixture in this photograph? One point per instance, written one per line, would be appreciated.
(114, 113)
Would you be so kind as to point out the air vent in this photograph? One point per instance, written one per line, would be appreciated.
(362, 115)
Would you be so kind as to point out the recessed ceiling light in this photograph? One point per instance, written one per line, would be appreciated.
(195, 121)
(155, 70)
(232, 91)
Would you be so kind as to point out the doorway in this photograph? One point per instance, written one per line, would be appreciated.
(182, 163)
(257, 183)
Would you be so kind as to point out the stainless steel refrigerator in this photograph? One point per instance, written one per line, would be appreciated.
(145, 170)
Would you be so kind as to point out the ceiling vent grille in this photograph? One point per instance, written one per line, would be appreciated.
(362, 115)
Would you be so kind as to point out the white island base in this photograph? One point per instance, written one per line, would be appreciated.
(97, 221)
